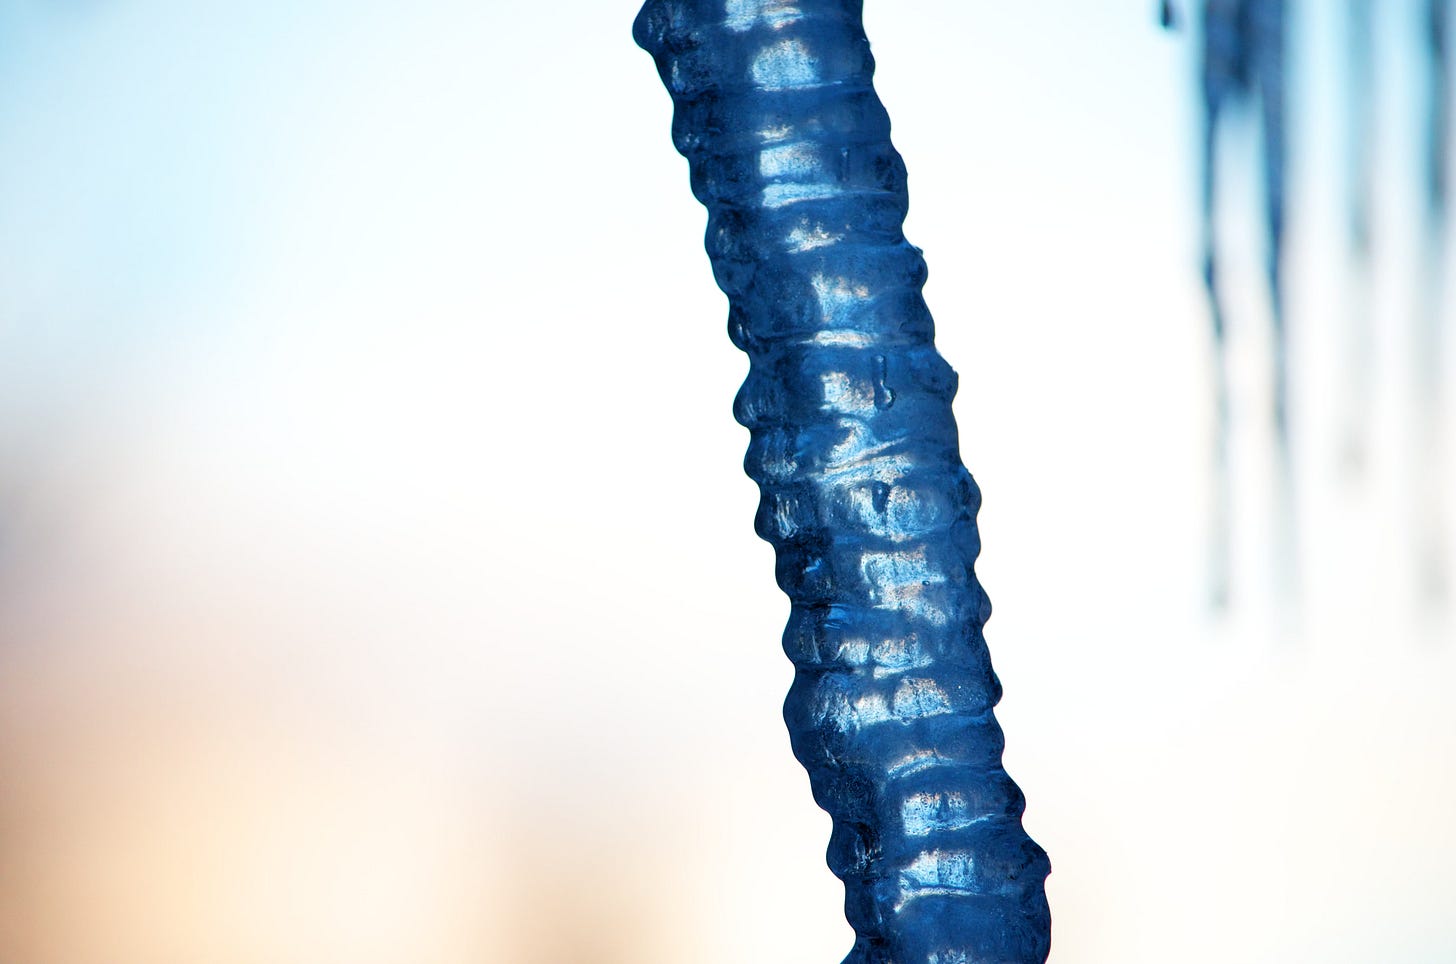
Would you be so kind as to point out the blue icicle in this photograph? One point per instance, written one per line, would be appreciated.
(1438, 137)
(1360, 201)
(1243, 57)
(1431, 499)
(1360, 47)
(864, 498)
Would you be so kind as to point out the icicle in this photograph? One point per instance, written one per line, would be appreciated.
(1168, 15)
(1360, 340)
(1243, 56)
(1361, 50)
(1438, 142)
(1360, 47)
(1430, 436)
(864, 498)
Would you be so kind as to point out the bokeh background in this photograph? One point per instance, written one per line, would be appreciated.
(377, 581)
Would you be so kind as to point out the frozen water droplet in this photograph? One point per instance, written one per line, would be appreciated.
(884, 395)
(880, 496)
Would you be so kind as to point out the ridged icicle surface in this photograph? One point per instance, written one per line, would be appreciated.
(864, 496)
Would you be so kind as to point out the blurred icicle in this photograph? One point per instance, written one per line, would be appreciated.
(1430, 437)
(1438, 144)
(1243, 59)
(1242, 63)
(1360, 340)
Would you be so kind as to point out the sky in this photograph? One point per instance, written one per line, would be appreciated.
(377, 575)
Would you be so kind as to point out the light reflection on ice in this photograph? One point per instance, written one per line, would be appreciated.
(837, 297)
(743, 14)
(900, 580)
(789, 160)
(783, 65)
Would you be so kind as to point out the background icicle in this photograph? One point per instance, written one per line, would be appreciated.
(1431, 498)
(1243, 54)
(1360, 200)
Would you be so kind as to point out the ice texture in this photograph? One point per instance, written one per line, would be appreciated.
(863, 494)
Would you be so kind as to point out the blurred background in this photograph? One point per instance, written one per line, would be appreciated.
(377, 575)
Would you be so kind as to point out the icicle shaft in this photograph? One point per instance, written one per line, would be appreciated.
(864, 497)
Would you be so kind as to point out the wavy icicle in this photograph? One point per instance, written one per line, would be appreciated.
(864, 497)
